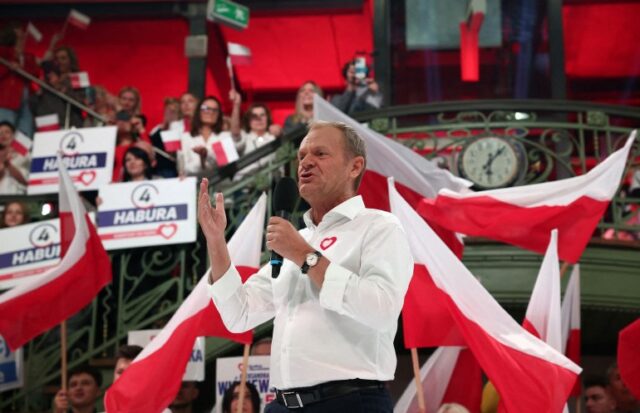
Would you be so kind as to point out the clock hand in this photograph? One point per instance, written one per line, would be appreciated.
(492, 157)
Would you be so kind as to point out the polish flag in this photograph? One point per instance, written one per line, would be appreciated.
(530, 375)
(80, 20)
(79, 80)
(239, 54)
(152, 381)
(21, 143)
(34, 32)
(47, 123)
(628, 360)
(224, 149)
(525, 215)
(451, 375)
(571, 322)
(37, 305)
(426, 320)
(171, 140)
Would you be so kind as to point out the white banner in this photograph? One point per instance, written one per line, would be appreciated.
(195, 366)
(140, 214)
(11, 365)
(229, 369)
(33, 249)
(88, 154)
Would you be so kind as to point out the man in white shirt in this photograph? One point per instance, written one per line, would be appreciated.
(340, 289)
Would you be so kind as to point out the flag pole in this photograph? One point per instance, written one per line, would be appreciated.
(63, 354)
(564, 268)
(243, 377)
(416, 374)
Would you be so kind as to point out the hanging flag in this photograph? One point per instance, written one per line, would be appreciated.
(628, 360)
(525, 215)
(239, 54)
(80, 20)
(151, 382)
(34, 32)
(79, 80)
(426, 320)
(35, 306)
(224, 150)
(529, 374)
(21, 143)
(571, 323)
(450, 375)
(171, 140)
(47, 122)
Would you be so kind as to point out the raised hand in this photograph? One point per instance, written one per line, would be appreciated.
(213, 221)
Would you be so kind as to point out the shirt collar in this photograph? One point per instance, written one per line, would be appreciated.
(347, 209)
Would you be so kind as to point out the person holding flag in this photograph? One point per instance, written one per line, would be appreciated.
(342, 284)
(14, 160)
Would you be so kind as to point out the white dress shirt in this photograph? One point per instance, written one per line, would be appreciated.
(344, 330)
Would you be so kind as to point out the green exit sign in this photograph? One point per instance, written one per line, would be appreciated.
(229, 13)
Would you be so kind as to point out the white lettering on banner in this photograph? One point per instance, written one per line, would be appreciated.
(38, 254)
(145, 215)
(76, 162)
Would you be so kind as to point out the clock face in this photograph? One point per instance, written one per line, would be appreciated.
(490, 162)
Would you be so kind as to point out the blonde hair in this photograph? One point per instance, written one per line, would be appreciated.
(299, 116)
(452, 408)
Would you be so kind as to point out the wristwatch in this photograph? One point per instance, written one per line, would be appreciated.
(310, 261)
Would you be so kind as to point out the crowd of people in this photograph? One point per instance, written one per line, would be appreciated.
(199, 121)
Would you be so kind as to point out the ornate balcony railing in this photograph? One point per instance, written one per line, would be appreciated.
(560, 139)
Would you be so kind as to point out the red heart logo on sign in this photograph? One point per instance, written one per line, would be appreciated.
(87, 177)
(327, 242)
(167, 231)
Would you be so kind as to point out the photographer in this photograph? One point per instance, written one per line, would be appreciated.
(362, 93)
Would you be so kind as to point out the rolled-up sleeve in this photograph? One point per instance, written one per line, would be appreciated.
(374, 296)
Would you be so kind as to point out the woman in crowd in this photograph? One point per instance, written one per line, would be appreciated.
(14, 90)
(231, 397)
(137, 165)
(129, 100)
(14, 167)
(304, 107)
(15, 213)
(257, 130)
(197, 158)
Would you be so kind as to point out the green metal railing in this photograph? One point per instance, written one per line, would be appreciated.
(150, 283)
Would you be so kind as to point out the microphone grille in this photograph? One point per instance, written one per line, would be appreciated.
(285, 195)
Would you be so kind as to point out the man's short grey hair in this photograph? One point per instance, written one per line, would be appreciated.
(353, 143)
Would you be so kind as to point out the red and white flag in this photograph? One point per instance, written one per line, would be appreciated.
(34, 32)
(47, 123)
(525, 215)
(530, 375)
(171, 140)
(80, 20)
(426, 320)
(628, 360)
(239, 54)
(21, 143)
(571, 322)
(224, 151)
(33, 307)
(451, 375)
(79, 80)
(543, 318)
(151, 382)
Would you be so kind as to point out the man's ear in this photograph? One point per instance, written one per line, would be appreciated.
(357, 166)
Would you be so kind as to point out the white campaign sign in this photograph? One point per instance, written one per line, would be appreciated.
(228, 371)
(140, 214)
(195, 366)
(10, 367)
(33, 248)
(88, 154)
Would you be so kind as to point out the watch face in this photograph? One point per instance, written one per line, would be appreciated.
(490, 162)
(312, 259)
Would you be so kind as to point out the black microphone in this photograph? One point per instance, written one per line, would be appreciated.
(285, 197)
